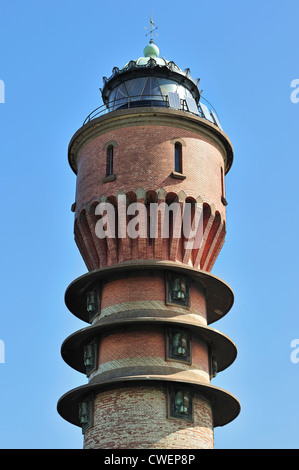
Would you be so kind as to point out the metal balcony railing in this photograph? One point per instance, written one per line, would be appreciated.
(185, 105)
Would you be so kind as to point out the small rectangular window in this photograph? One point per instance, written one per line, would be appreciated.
(93, 302)
(85, 413)
(178, 345)
(90, 357)
(213, 367)
(177, 290)
(180, 403)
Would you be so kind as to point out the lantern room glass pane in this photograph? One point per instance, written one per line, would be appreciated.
(111, 99)
(147, 92)
(146, 88)
(135, 87)
(167, 86)
(121, 96)
(156, 90)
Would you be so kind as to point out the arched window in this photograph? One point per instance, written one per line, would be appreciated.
(224, 201)
(222, 183)
(109, 149)
(109, 162)
(178, 164)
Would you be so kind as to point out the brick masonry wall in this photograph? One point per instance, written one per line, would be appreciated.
(136, 418)
(134, 349)
(144, 157)
(147, 292)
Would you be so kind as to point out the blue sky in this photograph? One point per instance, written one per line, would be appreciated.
(52, 59)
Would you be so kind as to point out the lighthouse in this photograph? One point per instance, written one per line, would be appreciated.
(149, 222)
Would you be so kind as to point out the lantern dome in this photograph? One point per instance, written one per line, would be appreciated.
(148, 81)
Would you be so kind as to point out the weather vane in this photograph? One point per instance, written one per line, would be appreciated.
(152, 29)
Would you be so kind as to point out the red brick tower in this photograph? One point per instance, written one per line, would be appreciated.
(152, 157)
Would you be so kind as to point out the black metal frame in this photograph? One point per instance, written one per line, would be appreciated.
(134, 102)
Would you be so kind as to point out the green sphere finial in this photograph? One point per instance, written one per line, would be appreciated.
(151, 50)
